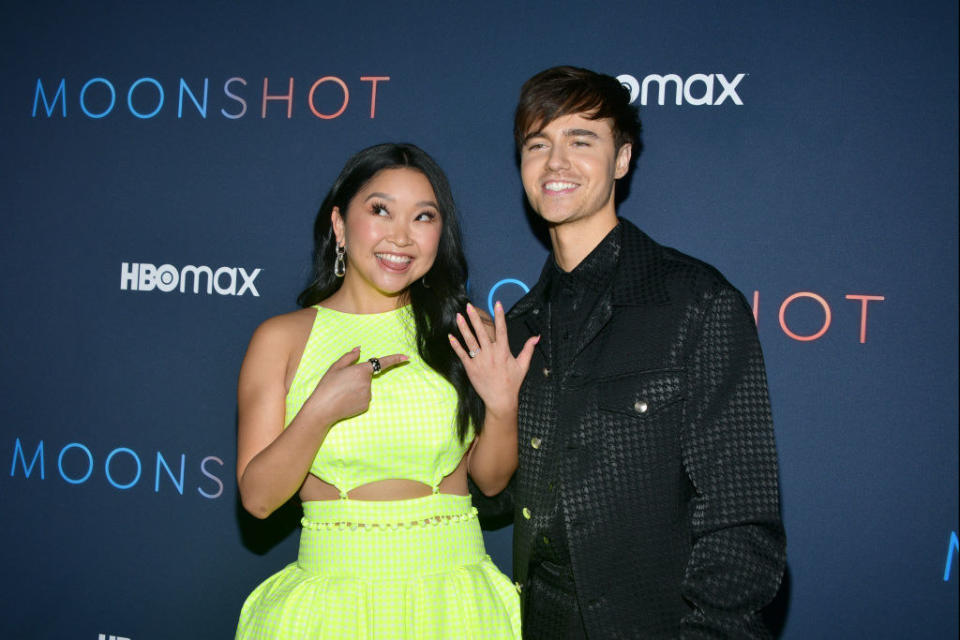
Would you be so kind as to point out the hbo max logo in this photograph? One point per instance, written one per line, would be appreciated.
(143, 276)
(697, 89)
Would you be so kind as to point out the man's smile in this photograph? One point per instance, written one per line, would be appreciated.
(559, 186)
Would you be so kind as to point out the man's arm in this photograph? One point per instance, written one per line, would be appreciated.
(739, 548)
(494, 511)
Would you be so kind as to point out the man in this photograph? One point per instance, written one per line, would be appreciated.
(646, 502)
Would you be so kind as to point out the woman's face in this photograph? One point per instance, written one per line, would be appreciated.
(391, 232)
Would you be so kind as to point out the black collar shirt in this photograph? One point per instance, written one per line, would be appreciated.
(571, 297)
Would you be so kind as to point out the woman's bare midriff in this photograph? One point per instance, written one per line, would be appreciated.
(396, 489)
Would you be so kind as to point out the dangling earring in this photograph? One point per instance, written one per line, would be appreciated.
(339, 268)
(423, 281)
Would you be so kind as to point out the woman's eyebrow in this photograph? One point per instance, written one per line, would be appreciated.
(387, 196)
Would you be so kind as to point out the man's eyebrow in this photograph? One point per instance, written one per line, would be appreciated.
(579, 133)
(566, 133)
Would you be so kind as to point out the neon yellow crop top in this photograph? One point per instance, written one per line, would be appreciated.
(409, 431)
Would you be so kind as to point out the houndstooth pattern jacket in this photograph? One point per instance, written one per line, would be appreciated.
(657, 445)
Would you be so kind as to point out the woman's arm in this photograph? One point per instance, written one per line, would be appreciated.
(496, 376)
(272, 462)
(492, 458)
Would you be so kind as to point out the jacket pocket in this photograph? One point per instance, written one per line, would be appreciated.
(641, 395)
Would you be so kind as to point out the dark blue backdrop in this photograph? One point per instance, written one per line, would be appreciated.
(828, 169)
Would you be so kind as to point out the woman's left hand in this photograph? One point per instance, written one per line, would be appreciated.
(495, 374)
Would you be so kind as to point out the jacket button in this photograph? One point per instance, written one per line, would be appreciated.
(535, 442)
(640, 406)
(546, 372)
(526, 513)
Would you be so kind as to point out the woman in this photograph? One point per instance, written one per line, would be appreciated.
(366, 403)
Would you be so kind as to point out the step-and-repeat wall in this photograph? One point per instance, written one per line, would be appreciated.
(162, 165)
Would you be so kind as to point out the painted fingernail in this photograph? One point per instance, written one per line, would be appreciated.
(459, 317)
(469, 307)
(498, 305)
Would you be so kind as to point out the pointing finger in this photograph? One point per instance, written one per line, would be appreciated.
(389, 361)
(346, 359)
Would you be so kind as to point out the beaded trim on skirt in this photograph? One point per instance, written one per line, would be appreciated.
(398, 569)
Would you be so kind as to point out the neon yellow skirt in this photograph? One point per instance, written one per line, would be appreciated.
(412, 569)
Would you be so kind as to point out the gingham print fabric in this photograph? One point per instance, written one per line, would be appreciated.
(409, 431)
(387, 570)
(409, 569)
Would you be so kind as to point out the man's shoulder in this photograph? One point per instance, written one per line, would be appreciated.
(533, 298)
(649, 268)
(646, 272)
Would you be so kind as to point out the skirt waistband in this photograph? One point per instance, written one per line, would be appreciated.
(428, 510)
(390, 540)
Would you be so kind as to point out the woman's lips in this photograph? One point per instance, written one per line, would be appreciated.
(394, 262)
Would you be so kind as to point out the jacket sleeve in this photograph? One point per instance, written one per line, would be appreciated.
(729, 453)
(494, 511)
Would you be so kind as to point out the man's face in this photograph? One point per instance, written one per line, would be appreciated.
(569, 167)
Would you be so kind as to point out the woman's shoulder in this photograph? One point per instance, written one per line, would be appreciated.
(276, 343)
(290, 329)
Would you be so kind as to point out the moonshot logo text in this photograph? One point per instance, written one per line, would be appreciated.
(226, 281)
(812, 300)
(122, 468)
(325, 98)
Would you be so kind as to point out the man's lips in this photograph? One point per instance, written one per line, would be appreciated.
(559, 186)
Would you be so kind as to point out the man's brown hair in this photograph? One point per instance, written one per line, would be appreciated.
(562, 91)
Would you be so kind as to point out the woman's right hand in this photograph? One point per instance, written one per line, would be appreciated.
(344, 390)
(272, 461)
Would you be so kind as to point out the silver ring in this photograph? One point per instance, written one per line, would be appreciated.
(473, 354)
(376, 365)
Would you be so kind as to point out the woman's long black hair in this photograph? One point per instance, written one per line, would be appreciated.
(436, 302)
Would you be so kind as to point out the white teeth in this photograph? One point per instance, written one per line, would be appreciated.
(559, 186)
(389, 257)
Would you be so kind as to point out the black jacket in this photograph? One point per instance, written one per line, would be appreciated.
(658, 444)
